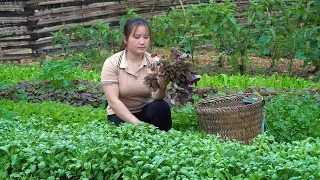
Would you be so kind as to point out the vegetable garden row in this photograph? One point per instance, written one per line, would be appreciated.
(44, 137)
(53, 121)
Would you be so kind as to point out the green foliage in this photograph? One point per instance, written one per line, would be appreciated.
(62, 39)
(14, 74)
(52, 113)
(293, 118)
(164, 33)
(237, 36)
(98, 40)
(271, 40)
(185, 118)
(34, 146)
(243, 82)
(80, 94)
(288, 30)
(95, 39)
(56, 81)
(267, 93)
(130, 14)
(116, 37)
(310, 50)
(189, 28)
(59, 72)
(208, 21)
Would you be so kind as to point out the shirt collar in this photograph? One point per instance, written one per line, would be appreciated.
(123, 59)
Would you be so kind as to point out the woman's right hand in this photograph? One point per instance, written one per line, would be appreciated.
(112, 95)
(136, 121)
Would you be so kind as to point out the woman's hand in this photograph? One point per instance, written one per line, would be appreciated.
(161, 91)
(136, 121)
(112, 94)
(162, 83)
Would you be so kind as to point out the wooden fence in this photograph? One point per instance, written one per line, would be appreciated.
(26, 25)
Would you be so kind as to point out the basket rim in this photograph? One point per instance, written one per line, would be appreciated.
(198, 106)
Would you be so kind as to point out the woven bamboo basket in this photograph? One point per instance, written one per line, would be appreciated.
(233, 116)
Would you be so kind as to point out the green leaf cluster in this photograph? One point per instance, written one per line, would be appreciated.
(293, 118)
(244, 81)
(60, 70)
(14, 74)
(51, 112)
(88, 148)
(91, 41)
(81, 94)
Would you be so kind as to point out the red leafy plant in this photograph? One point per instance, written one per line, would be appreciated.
(178, 70)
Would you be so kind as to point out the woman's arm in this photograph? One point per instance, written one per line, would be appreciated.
(160, 94)
(112, 95)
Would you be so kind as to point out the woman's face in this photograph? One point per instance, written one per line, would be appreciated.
(138, 41)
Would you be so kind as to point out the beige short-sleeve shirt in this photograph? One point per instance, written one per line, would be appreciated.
(133, 93)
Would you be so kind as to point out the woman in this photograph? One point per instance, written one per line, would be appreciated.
(129, 100)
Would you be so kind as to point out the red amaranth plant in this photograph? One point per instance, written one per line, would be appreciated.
(178, 70)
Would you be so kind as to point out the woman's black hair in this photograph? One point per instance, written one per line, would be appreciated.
(131, 25)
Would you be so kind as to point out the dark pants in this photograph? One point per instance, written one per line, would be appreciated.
(157, 113)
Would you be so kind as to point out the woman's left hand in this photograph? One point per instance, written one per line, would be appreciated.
(160, 93)
(162, 83)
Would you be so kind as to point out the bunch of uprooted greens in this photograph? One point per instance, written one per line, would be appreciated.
(179, 71)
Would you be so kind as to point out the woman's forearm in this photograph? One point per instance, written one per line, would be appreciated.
(123, 112)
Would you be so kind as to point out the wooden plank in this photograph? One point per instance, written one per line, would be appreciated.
(11, 8)
(14, 51)
(73, 8)
(54, 15)
(50, 47)
(15, 37)
(6, 44)
(34, 2)
(45, 2)
(13, 19)
(57, 10)
(22, 46)
(57, 2)
(13, 30)
(105, 20)
(43, 40)
(16, 56)
(46, 40)
(56, 28)
(16, 13)
(77, 16)
(83, 10)
(103, 4)
(16, 24)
